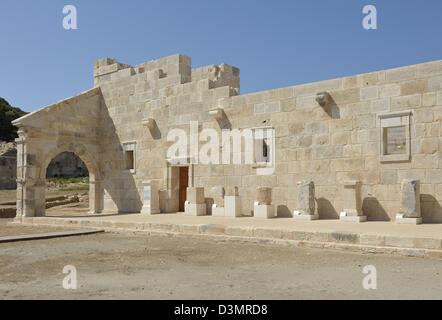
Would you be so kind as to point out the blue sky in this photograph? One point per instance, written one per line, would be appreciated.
(275, 43)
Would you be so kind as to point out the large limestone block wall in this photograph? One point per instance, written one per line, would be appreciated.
(327, 146)
(162, 89)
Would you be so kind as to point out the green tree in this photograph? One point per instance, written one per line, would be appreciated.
(8, 132)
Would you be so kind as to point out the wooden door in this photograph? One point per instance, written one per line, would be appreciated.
(184, 180)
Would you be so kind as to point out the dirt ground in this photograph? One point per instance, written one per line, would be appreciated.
(111, 266)
(8, 230)
(11, 195)
(74, 209)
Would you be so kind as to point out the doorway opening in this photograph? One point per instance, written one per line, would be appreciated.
(183, 184)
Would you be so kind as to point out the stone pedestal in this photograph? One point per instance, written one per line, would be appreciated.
(218, 194)
(352, 202)
(263, 195)
(306, 202)
(151, 200)
(232, 206)
(195, 209)
(263, 211)
(195, 204)
(410, 212)
(218, 211)
(262, 207)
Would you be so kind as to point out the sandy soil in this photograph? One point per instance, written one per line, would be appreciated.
(136, 266)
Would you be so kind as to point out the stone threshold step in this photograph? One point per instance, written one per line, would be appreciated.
(49, 235)
(326, 237)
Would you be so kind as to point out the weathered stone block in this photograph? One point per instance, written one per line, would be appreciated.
(195, 195)
(263, 195)
(232, 206)
(151, 200)
(306, 198)
(263, 211)
(194, 209)
(218, 194)
(352, 202)
(410, 199)
(232, 191)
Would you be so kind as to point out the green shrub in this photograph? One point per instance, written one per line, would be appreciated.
(8, 132)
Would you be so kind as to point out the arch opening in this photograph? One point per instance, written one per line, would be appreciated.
(66, 186)
(69, 185)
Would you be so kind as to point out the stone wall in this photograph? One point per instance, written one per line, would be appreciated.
(327, 146)
(327, 143)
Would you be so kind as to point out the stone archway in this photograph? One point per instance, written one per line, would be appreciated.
(33, 158)
(71, 125)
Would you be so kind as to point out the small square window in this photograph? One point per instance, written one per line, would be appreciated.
(130, 156)
(129, 160)
(395, 136)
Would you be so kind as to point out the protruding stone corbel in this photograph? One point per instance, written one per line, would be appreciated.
(217, 114)
(323, 98)
(150, 123)
(220, 116)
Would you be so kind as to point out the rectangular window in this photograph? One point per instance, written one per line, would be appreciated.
(262, 151)
(129, 149)
(395, 140)
(395, 136)
(129, 160)
(263, 145)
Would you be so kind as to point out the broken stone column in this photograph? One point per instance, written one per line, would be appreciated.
(306, 202)
(352, 202)
(232, 203)
(151, 198)
(410, 211)
(195, 204)
(263, 207)
(218, 194)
